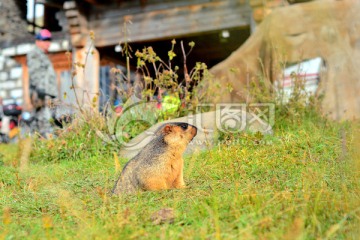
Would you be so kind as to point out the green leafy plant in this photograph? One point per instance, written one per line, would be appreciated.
(156, 77)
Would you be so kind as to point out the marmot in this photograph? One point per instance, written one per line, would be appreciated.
(159, 165)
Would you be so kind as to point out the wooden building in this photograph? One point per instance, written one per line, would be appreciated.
(218, 27)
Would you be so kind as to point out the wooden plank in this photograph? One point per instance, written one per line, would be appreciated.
(165, 9)
(73, 21)
(25, 81)
(26, 88)
(71, 13)
(175, 26)
(20, 59)
(198, 10)
(171, 23)
(50, 4)
(133, 7)
(75, 30)
(172, 18)
(112, 36)
(69, 5)
(94, 2)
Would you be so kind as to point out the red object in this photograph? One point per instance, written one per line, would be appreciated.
(12, 125)
(159, 105)
(44, 35)
(118, 109)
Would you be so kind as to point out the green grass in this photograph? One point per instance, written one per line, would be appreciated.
(301, 183)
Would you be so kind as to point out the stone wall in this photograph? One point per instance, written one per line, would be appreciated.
(12, 26)
(11, 72)
(10, 80)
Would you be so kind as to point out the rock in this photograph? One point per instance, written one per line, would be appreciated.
(165, 215)
(325, 28)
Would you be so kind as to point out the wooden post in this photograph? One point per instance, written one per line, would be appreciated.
(87, 77)
(25, 82)
(26, 88)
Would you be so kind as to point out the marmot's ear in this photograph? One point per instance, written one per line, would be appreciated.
(167, 129)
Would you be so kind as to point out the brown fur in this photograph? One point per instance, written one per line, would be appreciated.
(159, 165)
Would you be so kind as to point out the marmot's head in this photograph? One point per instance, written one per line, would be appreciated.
(178, 134)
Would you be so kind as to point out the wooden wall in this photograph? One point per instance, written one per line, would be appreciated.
(155, 20)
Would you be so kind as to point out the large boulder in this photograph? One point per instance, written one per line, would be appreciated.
(326, 28)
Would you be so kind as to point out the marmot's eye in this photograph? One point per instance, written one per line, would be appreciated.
(184, 126)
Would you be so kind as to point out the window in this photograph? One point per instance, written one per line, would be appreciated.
(35, 16)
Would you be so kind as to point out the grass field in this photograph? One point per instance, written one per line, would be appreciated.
(301, 183)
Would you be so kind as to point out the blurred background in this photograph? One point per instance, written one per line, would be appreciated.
(278, 32)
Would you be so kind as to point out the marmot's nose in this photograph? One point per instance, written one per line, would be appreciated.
(192, 126)
(193, 130)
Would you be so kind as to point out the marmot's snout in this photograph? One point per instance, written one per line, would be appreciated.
(178, 133)
(193, 131)
(188, 128)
